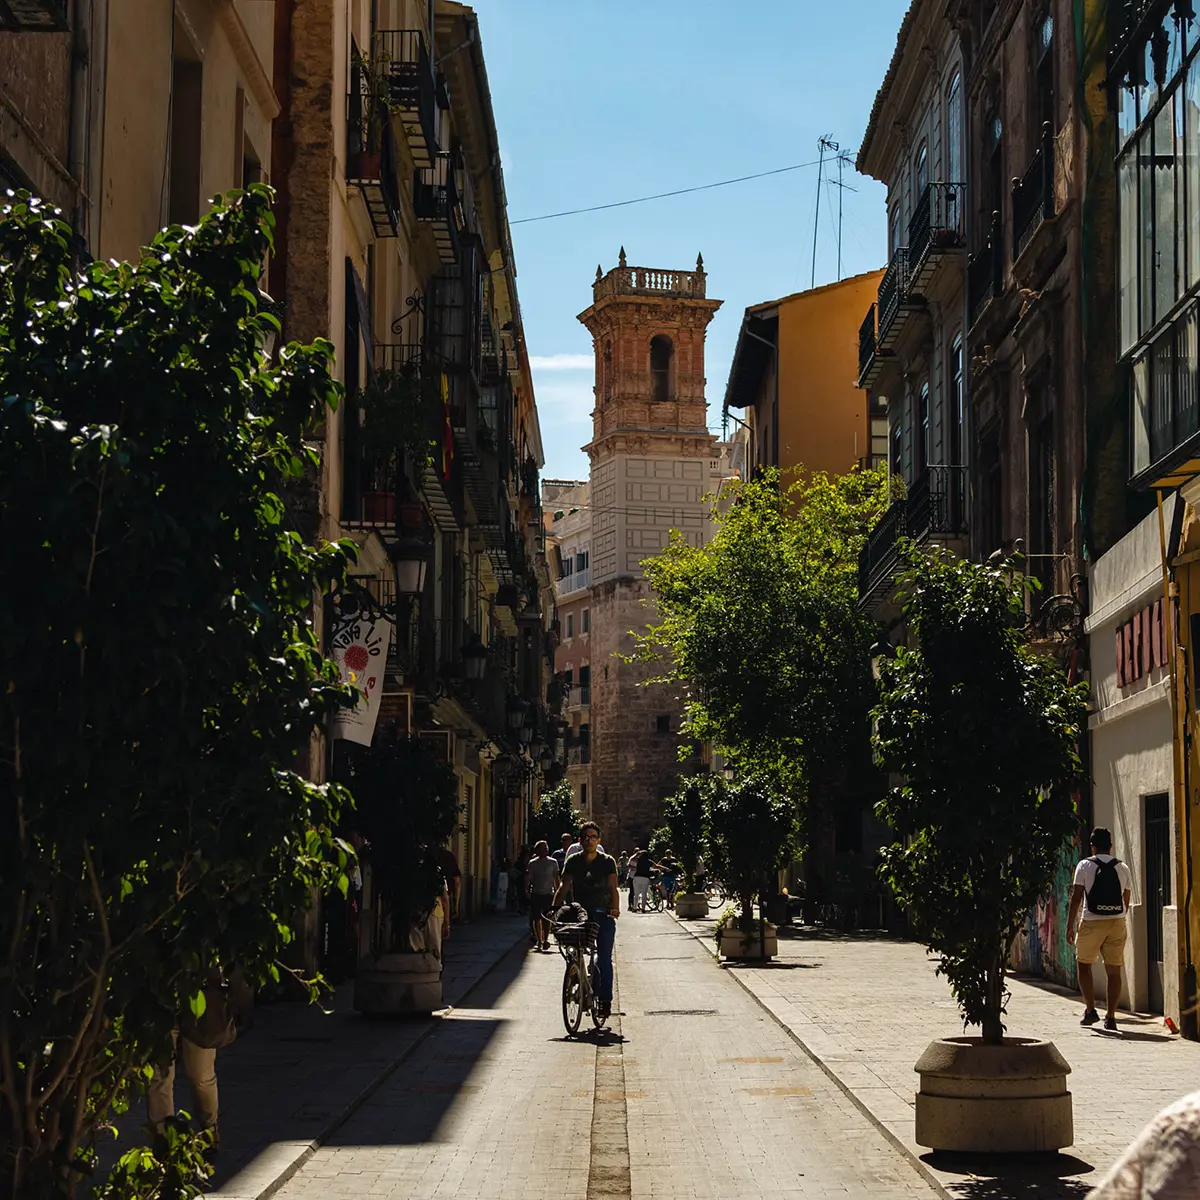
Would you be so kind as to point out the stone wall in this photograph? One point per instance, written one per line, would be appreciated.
(635, 764)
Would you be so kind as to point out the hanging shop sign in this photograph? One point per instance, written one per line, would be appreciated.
(360, 648)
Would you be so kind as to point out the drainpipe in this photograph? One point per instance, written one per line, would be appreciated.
(1188, 1015)
(78, 119)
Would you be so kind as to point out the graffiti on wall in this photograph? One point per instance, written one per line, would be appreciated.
(1040, 947)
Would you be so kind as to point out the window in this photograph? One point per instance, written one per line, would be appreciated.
(991, 494)
(894, 230)
(921, 449)
(583, 795)
(1043, 107)
(661, 353)
(568, 676)
(581, 560)
(585, 621)
(662, 723)
(570, 625)
(1040, 473)
(187, 86)
(608, 369)
(585, 675)
(920, 173)
(954, 166)
(956, 450)
(896, 464)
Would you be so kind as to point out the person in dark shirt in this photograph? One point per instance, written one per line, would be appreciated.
(590, 878)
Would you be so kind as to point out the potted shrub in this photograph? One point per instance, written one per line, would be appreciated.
(684, 813)
(983, 734)
(407, 807)
(750, 830)
(400, 409)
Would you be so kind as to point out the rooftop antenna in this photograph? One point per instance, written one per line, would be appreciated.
(823, 143)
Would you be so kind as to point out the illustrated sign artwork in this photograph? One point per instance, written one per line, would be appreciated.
(360, 647)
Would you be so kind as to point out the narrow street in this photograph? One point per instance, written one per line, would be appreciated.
(696, 1092)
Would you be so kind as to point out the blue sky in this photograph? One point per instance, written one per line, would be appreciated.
(603, 100)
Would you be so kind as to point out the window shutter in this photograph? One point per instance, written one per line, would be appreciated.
(1146, 616)
(1135, 647)
(1120, 639)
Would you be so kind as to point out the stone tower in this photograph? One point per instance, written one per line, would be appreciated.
(651, 456)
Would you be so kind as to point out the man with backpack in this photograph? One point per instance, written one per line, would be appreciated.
(1102, 886)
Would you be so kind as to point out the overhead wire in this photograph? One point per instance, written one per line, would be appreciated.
(703, 187)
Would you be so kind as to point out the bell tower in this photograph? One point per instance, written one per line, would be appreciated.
(652, 459)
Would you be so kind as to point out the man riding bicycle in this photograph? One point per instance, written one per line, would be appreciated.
(590, 878)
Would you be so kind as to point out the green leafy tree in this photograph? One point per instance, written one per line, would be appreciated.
(750, 830)
(659, 846)
(684, 812)
(762, 627)
(984, 733)
(159, 671)
(556, 814)
(406, 807)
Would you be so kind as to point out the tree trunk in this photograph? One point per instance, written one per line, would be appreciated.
(993, 1026)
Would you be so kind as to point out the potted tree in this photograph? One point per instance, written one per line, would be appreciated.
(982, 733)
(407, 807)
(750, 831)
(684, 812)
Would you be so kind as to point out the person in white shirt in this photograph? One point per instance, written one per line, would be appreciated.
(1102, 887)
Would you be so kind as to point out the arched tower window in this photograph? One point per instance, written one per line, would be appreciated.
(607, 368)
(661, 353)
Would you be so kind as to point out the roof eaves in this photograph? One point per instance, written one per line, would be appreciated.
(881, 97)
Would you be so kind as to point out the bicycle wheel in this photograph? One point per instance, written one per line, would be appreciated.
(572, 996)
(597, 1019)
(715, 897)
(659, 899)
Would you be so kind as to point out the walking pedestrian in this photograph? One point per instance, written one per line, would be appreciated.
(560, 855)
(541, 879)
(1162, 1162)
(629, 869)
(1102, 886)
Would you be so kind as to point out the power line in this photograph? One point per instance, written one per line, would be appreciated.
(704, 187)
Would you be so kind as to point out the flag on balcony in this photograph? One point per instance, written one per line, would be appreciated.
(447, 430)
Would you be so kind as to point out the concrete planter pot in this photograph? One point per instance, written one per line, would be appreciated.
(691, 904)
(398, 983)
(1007, 1099)
(738, 945)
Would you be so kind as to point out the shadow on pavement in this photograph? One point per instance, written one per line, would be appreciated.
(1000, 1177)
(773, 965)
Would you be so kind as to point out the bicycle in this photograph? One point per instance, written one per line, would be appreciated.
(657, 895)
(715, 896)
(576, 942)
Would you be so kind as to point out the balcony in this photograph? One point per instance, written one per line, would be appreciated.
(866, 348)
(575, 582)
(435, 201)
(1166, 405)
(985, 272)
(371, 155)
(580, 697)
(935, 509)
(936, 232)
(408, 77)
(1033, 194)
(650, 281)
(579, 756)
(893, 300)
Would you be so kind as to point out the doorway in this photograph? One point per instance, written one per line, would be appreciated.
(1157, 841)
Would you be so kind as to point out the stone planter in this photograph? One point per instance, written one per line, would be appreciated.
(398, 983)
(1008, 1099)
(691, 904)
(735, 944)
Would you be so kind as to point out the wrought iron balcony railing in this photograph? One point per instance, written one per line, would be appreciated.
(985, 271)
(892, 289)
(435, 201)
(402, 59)
(866, 344)
(937, 223)
(1033, 194)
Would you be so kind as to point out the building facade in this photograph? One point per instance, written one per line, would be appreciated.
(373, 121)
(652, 464)
(569, 536)
(793, 373)
(912, 342)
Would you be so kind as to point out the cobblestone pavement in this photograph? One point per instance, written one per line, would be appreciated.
(695, 1092)
(865, 1007)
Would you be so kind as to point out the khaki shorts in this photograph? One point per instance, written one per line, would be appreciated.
(1104, 937)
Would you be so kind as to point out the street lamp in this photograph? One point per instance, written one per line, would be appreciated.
(410, 558)
(475, 656)
(515, 712)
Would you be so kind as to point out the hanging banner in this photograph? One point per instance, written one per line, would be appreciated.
(360, 649)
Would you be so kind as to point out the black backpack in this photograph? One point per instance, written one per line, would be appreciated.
(1106, 896)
